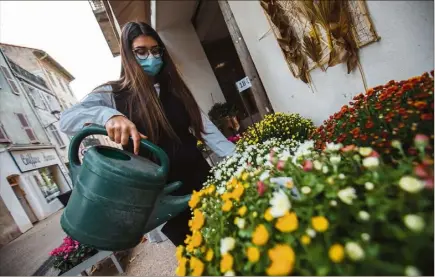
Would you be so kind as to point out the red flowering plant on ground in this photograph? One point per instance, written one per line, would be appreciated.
(234, 139)
(70, 253)
(397, 110)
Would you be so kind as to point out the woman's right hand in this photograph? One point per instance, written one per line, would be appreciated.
(120, 129)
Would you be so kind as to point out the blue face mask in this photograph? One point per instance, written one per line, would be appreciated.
(151, 65)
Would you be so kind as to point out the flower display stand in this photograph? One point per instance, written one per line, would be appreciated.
(81, 268)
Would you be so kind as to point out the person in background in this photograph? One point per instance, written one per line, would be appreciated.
(150, 100)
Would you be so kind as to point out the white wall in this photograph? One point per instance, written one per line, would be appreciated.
(186, 50)
(405, 50)
(8, 168)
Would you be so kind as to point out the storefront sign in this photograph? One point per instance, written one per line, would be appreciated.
(33, 159)
(243, 84)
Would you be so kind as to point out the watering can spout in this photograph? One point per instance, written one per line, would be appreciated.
(167, 206)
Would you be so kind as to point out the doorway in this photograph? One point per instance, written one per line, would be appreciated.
(14, 181)
(222, 54)
(8, 228)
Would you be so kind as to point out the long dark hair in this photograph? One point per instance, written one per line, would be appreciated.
(143, 102)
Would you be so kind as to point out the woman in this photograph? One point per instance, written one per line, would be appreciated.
(150, 100)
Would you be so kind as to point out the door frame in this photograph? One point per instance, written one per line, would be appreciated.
(260, 96)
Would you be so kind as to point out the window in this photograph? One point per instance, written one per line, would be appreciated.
(52, 102)
(61, 84)
(29, 131)
(70, 91)
(10, 80)
(35, 97)
(3, 135)
(51, 78)
(56, 135)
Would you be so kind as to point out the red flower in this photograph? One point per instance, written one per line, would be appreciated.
(348, 148)
(420, 171)
(426, 116)
(369, 125)
(280, 165)
(261, 188)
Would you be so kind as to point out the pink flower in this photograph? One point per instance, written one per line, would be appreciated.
(421, 140)
(348, 148)
(374, 154)
(428, 183)
(420, 171)
(261, 188)
(308, 165)
(280, 165)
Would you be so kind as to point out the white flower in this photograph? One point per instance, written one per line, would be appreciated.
(227, 244)
(347, 195)
(396, 144)
(259, 160)
(218, 174)
(333, 203)
(354, 251)
(268, 164)
(280, 204)
(284, 155)
(371, 162)
(325, 169)
(306, 190)
(341, 176)
(240, 222)
(221, 190)
(365, 237)
(335, 159)
(412, 271)
(317, 165)
(281, 181)
(264, 175)
(369, 185)
(411, 184)
(364, 216)
(365, 151)
(229, 273)
(332, 147)
(311, 233)
(414, 222)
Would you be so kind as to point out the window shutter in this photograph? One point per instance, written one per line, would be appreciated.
(10, 80)
(3, 136)
(25, 124)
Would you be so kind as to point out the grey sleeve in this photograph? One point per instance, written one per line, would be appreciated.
(214, 139)
(96, 108)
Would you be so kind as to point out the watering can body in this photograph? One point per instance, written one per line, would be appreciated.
(117, 196)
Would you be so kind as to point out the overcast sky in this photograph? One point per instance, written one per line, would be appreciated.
(68, 31)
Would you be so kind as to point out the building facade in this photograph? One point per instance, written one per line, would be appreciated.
(32, 173)
(217, 43)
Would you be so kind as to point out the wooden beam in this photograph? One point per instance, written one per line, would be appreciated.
(260, 96)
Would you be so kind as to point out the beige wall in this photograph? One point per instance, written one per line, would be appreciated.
(405, 50)
(189, 56)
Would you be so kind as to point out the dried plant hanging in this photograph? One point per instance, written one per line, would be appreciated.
(321, 33)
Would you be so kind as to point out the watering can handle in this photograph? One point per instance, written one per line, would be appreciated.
(99, 130)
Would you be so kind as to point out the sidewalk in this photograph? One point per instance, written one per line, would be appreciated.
(24, 255)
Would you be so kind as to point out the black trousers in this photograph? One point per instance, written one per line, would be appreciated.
(192, 175)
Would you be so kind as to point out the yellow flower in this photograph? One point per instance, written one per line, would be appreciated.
(227, 262)
(242, 211)
(181, 268)
(197, 220)
(197, 266)
(282, 259)
(211, 189)
(267, 215)
(287, 223)
(209, 255)
(188, 239)
(238, 191)
(226, 196)
(253, 254)
(227, 206)
(305, 240)
(336, 253)
(260, 235)
(196, 239)
(194, 200)
(179, 252)
(320, 223)
(245, 176)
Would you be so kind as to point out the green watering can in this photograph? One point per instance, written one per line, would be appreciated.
(117, 196)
